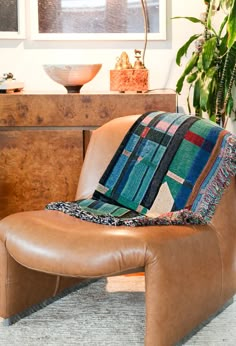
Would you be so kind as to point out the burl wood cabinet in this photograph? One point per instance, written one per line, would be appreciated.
(43, 139)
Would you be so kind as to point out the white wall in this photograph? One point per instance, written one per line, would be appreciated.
(24, 58)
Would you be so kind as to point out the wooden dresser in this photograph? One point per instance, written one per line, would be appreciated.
(43, 139)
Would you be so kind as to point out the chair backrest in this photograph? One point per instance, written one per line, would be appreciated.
(103, 144)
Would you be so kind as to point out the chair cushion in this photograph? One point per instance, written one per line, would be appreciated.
(52, 242)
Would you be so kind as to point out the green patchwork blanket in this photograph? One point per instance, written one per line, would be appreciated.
(170, 168)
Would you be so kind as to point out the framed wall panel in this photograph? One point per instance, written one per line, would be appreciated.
(12, 19)
(97, 19)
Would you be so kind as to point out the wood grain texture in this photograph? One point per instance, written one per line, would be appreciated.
(80, 109)
(38, 167)
(43, 140)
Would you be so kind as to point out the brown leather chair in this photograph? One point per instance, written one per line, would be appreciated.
(190, 271)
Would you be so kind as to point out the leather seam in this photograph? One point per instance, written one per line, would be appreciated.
(221, 260)
(58, 279)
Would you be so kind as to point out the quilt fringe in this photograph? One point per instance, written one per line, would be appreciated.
(73, 209)
(220, 181)
(180, 217)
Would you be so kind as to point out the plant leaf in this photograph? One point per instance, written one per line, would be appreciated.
(192, 19)
(208, 52)
(213, 117)
(188, 68)
(205, 90)
(223, 45)
(223, 25)
(183, 50)
(188, 100)
(231, 25)
(199, 63)
(226, 3)
(196, 93)
(212, 5)
(211, 105)
(179, 84)
(192, 77)
(229, 106)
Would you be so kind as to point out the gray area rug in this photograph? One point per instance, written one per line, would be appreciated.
(107, 312)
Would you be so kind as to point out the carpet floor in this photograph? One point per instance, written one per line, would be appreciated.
(106, 313)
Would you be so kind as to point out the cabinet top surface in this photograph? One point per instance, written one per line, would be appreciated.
(94, 93)
(94, 109)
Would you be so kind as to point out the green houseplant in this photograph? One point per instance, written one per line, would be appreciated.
(211, 70)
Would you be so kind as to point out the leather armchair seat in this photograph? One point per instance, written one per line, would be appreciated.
(190, 271)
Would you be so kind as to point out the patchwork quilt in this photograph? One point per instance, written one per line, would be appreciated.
(170, 168)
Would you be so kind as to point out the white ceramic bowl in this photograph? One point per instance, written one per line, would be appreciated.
(72, 76)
